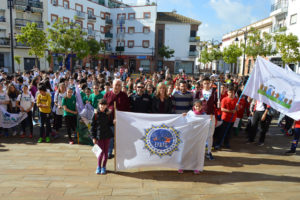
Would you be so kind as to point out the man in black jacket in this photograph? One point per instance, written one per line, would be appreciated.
(140, 102)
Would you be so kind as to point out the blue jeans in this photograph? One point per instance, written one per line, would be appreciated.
(111, 143)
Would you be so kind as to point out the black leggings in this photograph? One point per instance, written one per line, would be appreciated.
(71, 122)
(57, 122)
(263, 124)
(45, 120)
(27, 121)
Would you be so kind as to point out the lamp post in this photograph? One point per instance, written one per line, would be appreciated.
(244, 57)
(11, 37)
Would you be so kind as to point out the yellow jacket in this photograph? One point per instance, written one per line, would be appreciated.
(45, 100)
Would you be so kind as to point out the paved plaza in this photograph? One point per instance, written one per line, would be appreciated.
(59, 171)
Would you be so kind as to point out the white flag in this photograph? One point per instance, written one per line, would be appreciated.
(9, 120)
(160, 140)
(276, 87)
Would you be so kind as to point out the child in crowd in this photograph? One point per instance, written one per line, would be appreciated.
(296, 139)
(13, 94)
(43, 102)
(25, 103)
(95, 97)
(70, 113)
(102, 134)
(4, 101)
(59, 111)
(197, 110)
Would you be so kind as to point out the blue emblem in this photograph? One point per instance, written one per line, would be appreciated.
(162, 140)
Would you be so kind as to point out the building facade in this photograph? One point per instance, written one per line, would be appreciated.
(180, 34)
(20, 19)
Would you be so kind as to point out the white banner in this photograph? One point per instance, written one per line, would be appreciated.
(276, 87)
(161, 140)
(9, 120)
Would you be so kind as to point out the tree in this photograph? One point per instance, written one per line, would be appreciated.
(94, 47)
(288, 46)
(231, 54)
(166, 52)
(208, 55)
(259, 44)
(18, 60)
(67, 38)
(35, 38)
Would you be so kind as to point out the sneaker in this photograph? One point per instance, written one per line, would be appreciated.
(71, 142)
(47, 139)
(290, 152)
(30, 135)
(110, 156)
(98, 170)
(103, 170)
(40, 140)
(180, 171)
(260, 144)
(23, 135)
(217, 147)
(209, 156)
(196, 172)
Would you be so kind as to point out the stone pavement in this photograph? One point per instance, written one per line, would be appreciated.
(59, 171)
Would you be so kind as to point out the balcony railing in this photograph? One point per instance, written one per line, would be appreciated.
(4, 41)
(120, 48)
(80, 14)
(32, 3)
(193, 53)
(280, 5)
(278, 28)
(2, 19)
(108, 35)
(121, 21)
(23, 22)
(91, 33)
(92, 17)
(194, 39)
(108, 49)
(108, 21)
(20, 44)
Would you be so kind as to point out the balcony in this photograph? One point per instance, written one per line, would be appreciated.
(31, 3)
(20, 44)
(92, 17)
(120, 48)
(4, 41)
(2, 19)
(108, 35)
(121, 22)
(194, 39)
(193, 53)
(108, 21)
(108, 48)
(278, 29)
(91, 33)
(80, 14)
(279, 8)
(23, 22)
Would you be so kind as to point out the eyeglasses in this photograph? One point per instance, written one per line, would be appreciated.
(140, 87)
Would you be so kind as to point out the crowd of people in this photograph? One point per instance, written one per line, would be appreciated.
(49, 100)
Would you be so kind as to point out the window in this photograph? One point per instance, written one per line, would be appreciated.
(102, 29)
(131, 29)
(121, 43)
(120, 31)
(130, 43)
(192, 47)
(54, 18)
(90, 11)
(90, 26)
(121, 16)
(293, 19)
(102, 15)
(193, 33)
(80, 23)
(131, 15)
(54, 2)
(66, 4)
(78, 7)
(107, 15)
(146, 29)
(147, 15)
(66, 20)
(146, 43)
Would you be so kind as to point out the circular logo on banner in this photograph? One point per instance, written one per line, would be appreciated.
(161, 140)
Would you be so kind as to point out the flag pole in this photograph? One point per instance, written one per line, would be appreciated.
(115, 140)
(227, 128)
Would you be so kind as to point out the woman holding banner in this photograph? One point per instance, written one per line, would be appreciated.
(161, 102)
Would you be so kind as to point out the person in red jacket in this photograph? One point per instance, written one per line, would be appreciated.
(122, 104)
(229, 114)
(240, 112)
(296, 139)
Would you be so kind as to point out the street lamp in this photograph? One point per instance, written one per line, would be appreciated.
(11, 37)
(245, 38)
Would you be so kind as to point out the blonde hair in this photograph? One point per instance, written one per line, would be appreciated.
(157, 93)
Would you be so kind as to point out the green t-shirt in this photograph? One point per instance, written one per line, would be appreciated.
(71, 105)
(94, 99)
(83, 95)
(103, 92)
